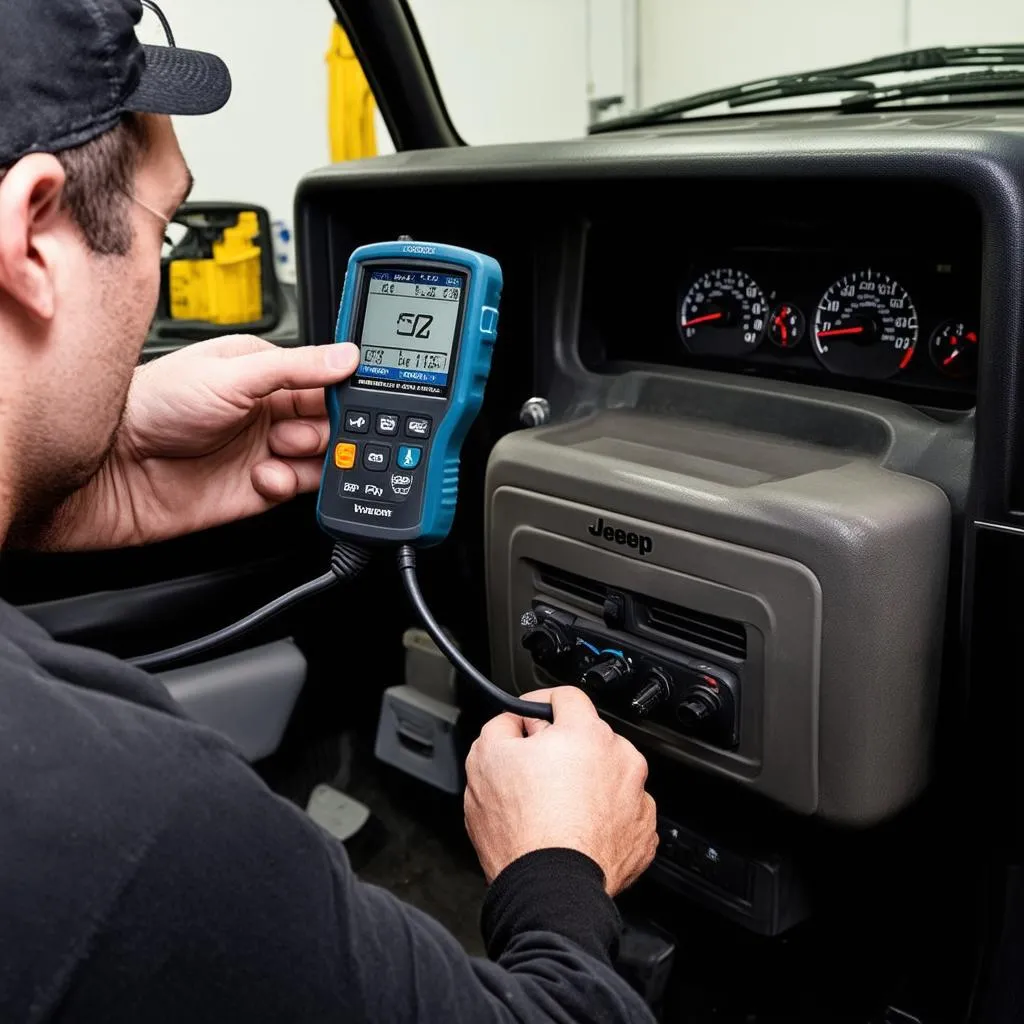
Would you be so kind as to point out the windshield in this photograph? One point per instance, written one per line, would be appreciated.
(550, 69)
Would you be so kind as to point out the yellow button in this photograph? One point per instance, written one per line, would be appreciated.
(345, 456)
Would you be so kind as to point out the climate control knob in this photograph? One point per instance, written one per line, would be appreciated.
(607, 674)
(547, 643)
(655, 690)
(700, 708)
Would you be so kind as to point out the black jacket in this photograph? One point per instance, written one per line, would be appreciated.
(147, 874)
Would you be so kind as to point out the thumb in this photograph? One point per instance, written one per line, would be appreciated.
(532, 726)
(260, 374)
(571, 706)
(506, 726)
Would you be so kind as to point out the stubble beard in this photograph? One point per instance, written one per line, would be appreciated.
(53, 469)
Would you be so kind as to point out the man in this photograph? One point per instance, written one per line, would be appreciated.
(146, 873)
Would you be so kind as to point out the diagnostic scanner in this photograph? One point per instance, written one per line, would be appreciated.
(425, 319)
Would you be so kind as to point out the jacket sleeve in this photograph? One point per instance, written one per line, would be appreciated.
(241, 908)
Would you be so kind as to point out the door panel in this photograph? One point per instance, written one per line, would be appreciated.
(135, 600)
(248, 696)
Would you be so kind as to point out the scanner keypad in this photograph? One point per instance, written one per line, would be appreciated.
(375, 467)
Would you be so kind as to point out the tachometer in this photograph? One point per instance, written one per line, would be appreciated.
(723, 314)
(865, 326)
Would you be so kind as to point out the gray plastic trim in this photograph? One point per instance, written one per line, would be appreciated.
(248, 696)
(875, 541)
(416, 733)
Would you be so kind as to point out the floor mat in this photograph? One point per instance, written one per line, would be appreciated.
(423, 855)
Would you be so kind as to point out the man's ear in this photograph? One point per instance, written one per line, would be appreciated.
(30, 203)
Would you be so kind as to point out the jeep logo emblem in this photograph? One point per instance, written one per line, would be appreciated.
(624, 538)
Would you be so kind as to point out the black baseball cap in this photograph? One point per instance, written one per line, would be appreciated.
(70, 68)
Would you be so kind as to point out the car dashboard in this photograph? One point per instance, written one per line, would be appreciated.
(782, 357)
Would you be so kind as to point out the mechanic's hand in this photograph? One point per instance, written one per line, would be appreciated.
(214, 432)
(569, 783)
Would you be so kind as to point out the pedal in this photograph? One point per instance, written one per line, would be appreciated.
(345, 818)
(337, 812)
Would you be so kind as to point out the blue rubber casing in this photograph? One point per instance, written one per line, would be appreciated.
(426, 515)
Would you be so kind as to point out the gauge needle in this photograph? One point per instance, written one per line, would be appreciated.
(780, 322)
(840, 330)
(703, 319)
(952, 355)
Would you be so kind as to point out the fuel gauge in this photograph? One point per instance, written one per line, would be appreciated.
(954, 349)
(787, 325)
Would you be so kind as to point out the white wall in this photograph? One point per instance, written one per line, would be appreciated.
(965, 22)
(690, 45)
(610, 46)
(509, 70)
(523, 70)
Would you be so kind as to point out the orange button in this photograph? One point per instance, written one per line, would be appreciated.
(345, 455)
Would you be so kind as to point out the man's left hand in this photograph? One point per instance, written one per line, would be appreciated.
(214, 432)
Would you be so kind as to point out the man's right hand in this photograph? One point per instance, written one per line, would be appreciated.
(573, 783)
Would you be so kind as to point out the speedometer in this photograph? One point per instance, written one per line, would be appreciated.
(865, 326)
(723, 314)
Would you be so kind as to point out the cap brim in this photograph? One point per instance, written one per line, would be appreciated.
(177, 81)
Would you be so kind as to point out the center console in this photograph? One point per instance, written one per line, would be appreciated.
(762, 608)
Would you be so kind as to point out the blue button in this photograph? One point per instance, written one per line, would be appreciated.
(409, 456)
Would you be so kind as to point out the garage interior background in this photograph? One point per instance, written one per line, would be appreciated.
(526, 70)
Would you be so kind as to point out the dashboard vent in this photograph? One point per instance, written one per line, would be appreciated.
(711, 631)
(572, 585)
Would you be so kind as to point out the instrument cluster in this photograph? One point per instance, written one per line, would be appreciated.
(865, 324)
(864, 286)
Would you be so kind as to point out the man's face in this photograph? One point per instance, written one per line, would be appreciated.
(104, 307)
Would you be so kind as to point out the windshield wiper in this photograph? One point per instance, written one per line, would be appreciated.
(843, 78)
(736, 96)
(962, 84)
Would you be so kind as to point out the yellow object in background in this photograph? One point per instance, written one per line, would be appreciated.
(227, 289)
(351, 106)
